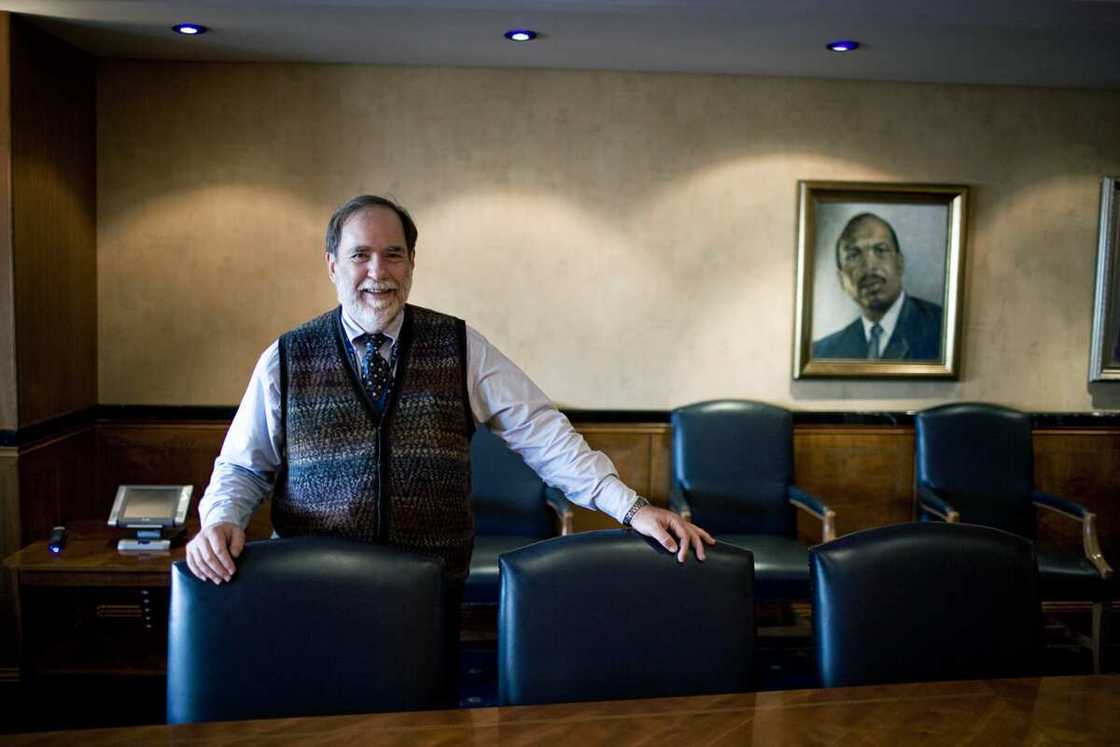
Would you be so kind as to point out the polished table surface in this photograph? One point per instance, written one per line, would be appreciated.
(1050, 710)
(90, 558)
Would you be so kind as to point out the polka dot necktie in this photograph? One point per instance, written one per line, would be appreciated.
(377, 374)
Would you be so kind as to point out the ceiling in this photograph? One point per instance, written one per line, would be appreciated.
(1064, 43)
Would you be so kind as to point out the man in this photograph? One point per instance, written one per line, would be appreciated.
(358, 422)
(893, 325)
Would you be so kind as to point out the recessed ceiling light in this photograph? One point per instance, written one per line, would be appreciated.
(521, 35)
(189, 29)
(843, 45)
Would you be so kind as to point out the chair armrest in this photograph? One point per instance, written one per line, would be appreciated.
(815, 507)
(1073, 510)
(678, 503)
(1089, 543)
(932, 503)
(563, 508)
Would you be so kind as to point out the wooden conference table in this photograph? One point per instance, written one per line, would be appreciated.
(1050, 710)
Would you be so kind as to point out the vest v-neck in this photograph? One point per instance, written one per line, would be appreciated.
(345, 349)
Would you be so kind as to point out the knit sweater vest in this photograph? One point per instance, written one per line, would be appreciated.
(402, 479)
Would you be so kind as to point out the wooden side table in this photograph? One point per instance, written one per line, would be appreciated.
(91, 610)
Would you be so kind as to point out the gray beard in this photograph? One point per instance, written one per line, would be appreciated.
(369, 319)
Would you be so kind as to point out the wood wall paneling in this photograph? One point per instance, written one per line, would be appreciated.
(9, 409)
(9, 502)
(57, 483)
(661, 466)
(638, 454)
(1082, 466)
(9, 543)
(154, 454)
(53, 187)
(865, 473)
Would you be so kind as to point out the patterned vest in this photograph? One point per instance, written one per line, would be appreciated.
(402, 481)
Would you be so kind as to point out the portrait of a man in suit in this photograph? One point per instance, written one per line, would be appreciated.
(893, 324)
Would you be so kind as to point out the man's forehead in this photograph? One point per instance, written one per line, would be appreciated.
(376, 217)
(871, 229)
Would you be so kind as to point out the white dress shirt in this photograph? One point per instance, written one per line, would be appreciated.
(500, 395)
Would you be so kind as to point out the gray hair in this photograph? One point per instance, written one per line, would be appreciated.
(356, 205)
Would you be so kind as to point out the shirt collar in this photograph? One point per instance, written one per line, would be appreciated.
(888, 322)
(354, 331)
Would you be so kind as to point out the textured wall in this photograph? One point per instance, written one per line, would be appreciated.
(627, 238)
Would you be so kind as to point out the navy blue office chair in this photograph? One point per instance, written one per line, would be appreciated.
(733, 476)
(917, 602)
(975, 463)
(308, 626)
(608, 615)
(512, 508)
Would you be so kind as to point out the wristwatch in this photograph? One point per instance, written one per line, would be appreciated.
(638, 505)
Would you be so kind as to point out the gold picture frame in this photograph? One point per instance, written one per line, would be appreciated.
(865, 308)
(1104, 348)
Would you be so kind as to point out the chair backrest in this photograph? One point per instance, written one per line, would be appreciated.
(924, 601)
(307, 626)
(734, 461)
(506, 494)
(608, 615)
(981, 459)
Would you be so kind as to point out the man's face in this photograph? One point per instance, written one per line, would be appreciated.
(373, 270)
(871, 268)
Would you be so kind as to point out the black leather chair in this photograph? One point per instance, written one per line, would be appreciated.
(512, 508)
(975, 463)
(308, 626)
(917, 602)
(733, 475)
(609, 614)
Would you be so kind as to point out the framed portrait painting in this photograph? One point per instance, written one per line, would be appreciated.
(1104, 349)
(879, 273)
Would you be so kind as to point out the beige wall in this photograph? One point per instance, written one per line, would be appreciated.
(627, 238)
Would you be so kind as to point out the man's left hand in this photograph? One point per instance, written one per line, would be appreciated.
(674, 533)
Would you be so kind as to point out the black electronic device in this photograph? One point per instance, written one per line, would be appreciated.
(156, 512)
(57, 541)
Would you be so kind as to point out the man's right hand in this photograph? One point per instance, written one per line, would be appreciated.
(210, 554)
